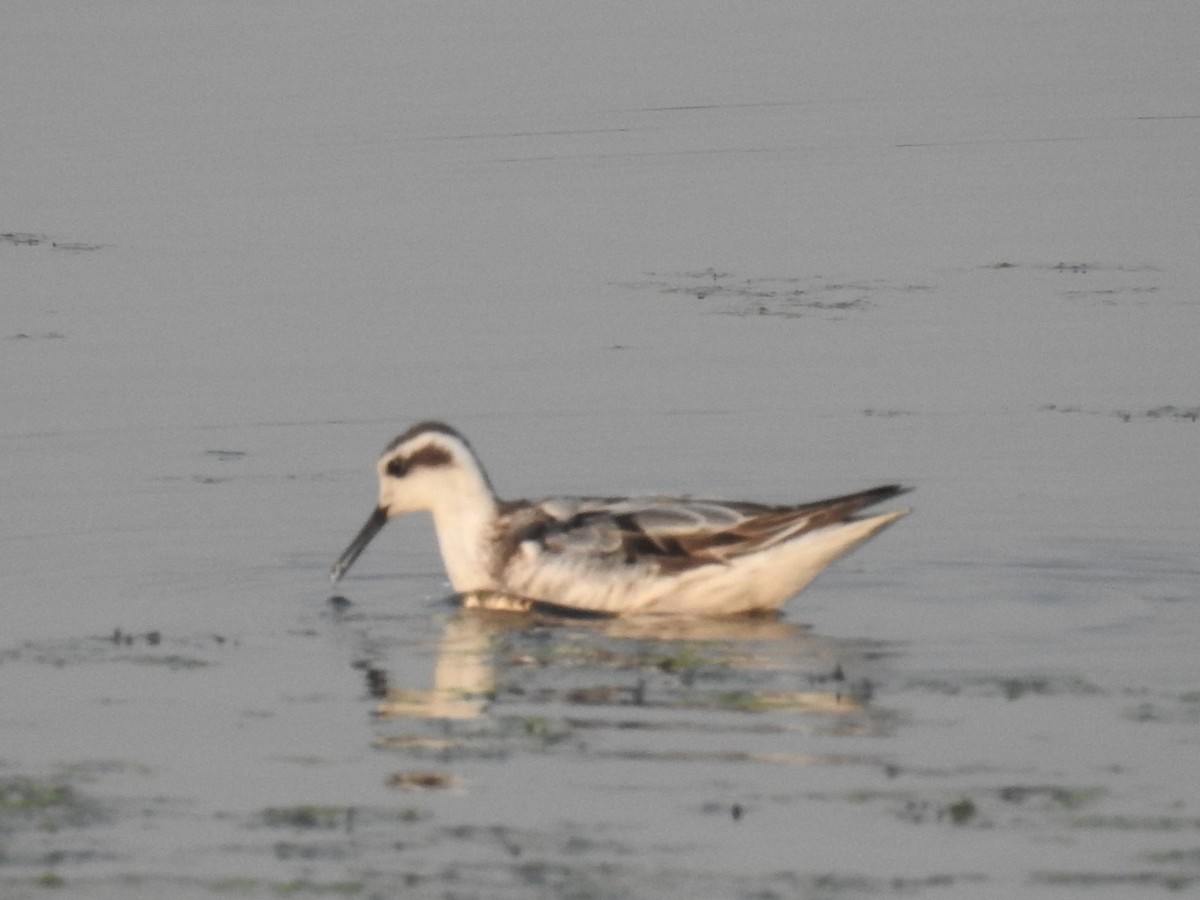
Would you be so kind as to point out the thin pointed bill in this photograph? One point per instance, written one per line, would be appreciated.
(374, 524)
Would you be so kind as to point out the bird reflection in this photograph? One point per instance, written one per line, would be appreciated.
(744, 664)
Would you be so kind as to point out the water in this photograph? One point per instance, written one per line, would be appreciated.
(759, 254)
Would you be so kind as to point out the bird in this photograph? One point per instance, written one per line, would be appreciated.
(610, 556)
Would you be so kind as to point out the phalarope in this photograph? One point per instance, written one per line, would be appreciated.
(610, 556)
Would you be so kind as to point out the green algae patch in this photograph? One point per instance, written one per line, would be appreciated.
(29, 794)
(316, 817)
(44, 804)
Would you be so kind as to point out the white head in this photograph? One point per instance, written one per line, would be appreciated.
(429, 467)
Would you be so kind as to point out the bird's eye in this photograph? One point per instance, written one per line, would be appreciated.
(397, 467)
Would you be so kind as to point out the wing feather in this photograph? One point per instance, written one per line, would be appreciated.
(671, 534)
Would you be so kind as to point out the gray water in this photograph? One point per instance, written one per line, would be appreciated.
(764, 253)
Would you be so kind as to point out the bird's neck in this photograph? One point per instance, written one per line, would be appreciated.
(465, 520)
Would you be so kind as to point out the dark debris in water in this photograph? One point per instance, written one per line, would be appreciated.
(1104, 283)
(1009, 805)
(421, 781)
(45, 805)
(886, 413)
(1073, 268)
(38, 336)
(1008, 687)
(150, 647)
(1170, 881)
(25, 239)
(1050, 795)
(959, 811)
(734, 810)
(787, 297)
(309, 817)
(1165, 413)
(377, 681)
(334, 818)
(22, 239)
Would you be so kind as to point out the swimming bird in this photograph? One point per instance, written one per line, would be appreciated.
(610, 556)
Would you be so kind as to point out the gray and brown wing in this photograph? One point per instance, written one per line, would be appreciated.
(673, 534)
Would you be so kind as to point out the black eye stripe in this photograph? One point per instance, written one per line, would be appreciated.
(429, 457)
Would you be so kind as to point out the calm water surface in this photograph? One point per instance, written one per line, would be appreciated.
(768, 254)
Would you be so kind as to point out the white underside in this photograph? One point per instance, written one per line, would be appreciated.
(756, 582)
